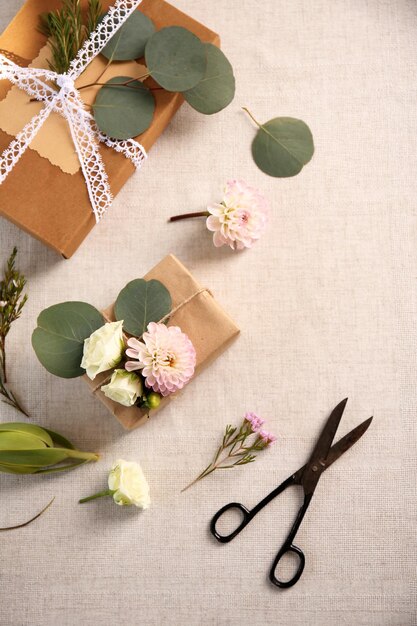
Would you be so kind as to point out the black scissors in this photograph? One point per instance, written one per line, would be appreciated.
(324, 454)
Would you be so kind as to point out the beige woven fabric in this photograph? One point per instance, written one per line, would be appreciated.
(327, 305)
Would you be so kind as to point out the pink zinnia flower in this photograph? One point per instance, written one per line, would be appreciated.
(166, 357)
(240, 219)
(255, 421)
(267, 438)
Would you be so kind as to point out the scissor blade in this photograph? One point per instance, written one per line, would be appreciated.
(347, 442)
(325, 440)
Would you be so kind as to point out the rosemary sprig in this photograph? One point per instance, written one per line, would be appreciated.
(12, 302)
(238, 446)
(66, 31)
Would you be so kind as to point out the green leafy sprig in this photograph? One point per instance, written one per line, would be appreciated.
(12, 301)
(238, 446)
(67, 31)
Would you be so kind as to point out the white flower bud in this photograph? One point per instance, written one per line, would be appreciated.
(124, 388)
(103, 350)
(129, 485)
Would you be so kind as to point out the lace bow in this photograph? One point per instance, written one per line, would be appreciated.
(67, 101)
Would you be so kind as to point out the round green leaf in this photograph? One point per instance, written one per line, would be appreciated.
(176, 58)
(59, 338)
(140, 302)
(217, 89)
(122, 112)
(282, 146)
(130, 40)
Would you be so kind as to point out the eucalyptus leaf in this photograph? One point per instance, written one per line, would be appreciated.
(141, 302)
(59, 338)
(217, 89)
(176, 58)
(129, 42)
(124, 111)
(282, 146)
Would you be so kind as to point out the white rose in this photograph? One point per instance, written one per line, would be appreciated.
(103, 349)
(128, 484)
(124, 387)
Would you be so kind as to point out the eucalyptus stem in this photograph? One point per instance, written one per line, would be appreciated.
(186, 216)
(251, 116)
(100, 494)
(124, 84)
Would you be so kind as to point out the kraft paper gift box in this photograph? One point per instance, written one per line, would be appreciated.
(50, 201)
(199, 316)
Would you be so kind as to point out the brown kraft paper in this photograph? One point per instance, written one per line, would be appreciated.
(39, 197)
(210, 329)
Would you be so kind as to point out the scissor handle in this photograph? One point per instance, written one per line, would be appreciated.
(288, 546)
(284, 584)
(246, 518)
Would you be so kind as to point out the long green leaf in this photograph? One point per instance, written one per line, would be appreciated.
(29, 429)
(38, 458)
(20, 441)
(60, 440)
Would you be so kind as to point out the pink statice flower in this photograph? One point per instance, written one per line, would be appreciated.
(166, 357)
(267, 438)
(255, 421)
(240, 219)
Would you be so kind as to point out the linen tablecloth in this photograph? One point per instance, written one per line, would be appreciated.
(327, 306)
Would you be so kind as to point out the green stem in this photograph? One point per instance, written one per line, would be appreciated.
(77, 454)
(100, 494)
(125, 84)
(185, 216)
(251, 116)
(31, 520)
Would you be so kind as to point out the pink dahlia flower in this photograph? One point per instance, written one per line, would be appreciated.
(166, 357)
(240, 219)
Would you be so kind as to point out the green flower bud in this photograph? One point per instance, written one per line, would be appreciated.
(153, 400)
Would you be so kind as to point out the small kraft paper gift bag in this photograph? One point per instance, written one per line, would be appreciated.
(200, 317)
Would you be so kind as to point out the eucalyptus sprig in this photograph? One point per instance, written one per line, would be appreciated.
(12, 301)
(238, 446)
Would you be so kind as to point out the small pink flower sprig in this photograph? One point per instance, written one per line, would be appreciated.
(238, 446)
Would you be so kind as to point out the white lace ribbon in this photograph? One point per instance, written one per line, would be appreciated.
(67, 102)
